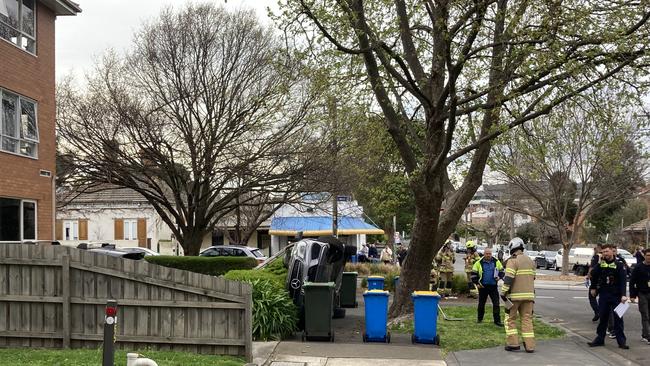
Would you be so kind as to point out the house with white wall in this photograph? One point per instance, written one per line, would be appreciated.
(117, 216)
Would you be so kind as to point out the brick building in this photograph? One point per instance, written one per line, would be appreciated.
(27, 139)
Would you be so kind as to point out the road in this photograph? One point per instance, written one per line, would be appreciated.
(570, 309)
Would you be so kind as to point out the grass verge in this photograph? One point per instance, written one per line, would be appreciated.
(85, 357)
(468, 334)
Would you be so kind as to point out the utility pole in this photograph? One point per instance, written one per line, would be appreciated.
(334, 149)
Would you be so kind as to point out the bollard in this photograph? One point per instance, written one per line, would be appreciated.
(110, 321)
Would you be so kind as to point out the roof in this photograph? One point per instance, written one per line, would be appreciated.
(62, 7)
(103, 196)
(638, 226)
(320, 225)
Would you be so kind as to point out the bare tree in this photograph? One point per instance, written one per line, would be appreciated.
(451, 75)
(568, 165)
(205, 113)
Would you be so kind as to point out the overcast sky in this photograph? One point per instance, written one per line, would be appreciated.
(110, 23)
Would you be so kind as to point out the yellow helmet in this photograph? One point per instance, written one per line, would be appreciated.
(470, 244)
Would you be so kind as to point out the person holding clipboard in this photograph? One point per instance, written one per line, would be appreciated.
(609, 284)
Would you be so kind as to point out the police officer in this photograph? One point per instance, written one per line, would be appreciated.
(445, 259)
(470, 258)
(519, 287)
(609, 284)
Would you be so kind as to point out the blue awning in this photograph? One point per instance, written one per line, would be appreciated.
(320, 225)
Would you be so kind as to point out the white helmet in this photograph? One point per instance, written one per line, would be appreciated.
(515, 244)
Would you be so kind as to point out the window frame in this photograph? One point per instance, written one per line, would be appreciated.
(73, 224)
(21, 213)
(130, 229)
(19, 126)
(20, 31)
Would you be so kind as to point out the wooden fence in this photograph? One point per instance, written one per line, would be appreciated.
(55, 297)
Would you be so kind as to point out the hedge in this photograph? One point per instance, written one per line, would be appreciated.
(249, 276)
(274, 315)
(214, 266)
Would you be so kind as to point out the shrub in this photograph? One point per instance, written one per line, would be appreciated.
(389, 279)
(369, 269)
(214, 266)
(249, 276)
(277, 268)
(459, 284)
(274, 314)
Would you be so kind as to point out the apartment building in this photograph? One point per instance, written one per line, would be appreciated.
(27, 138)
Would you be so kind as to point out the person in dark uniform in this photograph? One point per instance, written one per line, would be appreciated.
(609, 283)
(595, 259)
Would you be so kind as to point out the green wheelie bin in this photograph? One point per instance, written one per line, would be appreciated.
(349, 290)
(319, 308)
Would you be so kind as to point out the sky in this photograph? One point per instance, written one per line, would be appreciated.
(103, 24)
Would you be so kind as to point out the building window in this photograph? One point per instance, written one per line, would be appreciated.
(19, 125)
(17, 220)
(130, 229)
(18, 23)
(71, 230)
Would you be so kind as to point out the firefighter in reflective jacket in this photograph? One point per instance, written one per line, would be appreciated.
(519, 287)
(471, 258)
(445, 260)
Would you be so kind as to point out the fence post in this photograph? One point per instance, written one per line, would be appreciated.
(65, 279)
(248, 324)
(108, 356)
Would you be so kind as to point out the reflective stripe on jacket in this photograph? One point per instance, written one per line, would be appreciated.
(519, 282)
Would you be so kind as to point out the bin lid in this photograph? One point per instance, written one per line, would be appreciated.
(376, 293)
(425, 293)
(319, 284)
(376, 277)
(351, 273)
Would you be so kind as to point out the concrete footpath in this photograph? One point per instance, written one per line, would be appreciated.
(333, 354)
(570, 351)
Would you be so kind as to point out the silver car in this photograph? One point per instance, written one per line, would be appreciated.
(233, 251)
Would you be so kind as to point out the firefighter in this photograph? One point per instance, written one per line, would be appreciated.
(433, 278)
(445, 259)
(470, 258)
(519, 288)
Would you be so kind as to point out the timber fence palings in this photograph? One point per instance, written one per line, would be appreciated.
(54, 297)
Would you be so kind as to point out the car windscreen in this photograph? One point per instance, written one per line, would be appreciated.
(257, 253)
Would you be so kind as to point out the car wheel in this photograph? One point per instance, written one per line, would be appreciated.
(557, 268)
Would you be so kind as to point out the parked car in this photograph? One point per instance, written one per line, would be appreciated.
(480, 249)
(558, 258)
(316, 260)
(233, 251)
(580, 260)
(461, 248)
(532, 254)
(146, 251)
(545, 259)
(629, 259)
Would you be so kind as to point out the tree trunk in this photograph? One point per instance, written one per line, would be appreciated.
(566, 247)
(191, 242)
(417, 266)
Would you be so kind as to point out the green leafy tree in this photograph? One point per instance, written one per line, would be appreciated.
(572, 163)
(450, 76)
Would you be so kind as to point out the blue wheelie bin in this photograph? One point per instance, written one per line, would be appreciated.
(425, 304)
(375, 283)
(376, 303)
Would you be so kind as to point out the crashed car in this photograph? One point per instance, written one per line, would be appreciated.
(316, 260)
